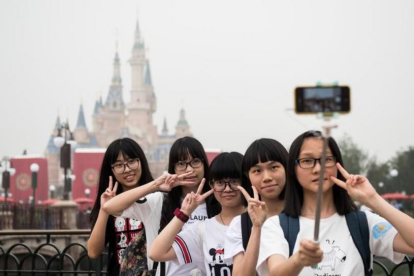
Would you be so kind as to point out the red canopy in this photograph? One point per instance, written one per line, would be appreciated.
(9, 199)
(50, 201)
(395, 196)
(84, 200)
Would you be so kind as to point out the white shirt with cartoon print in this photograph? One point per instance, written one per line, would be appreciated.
(187, 247)
(149, 212)
(341, 257)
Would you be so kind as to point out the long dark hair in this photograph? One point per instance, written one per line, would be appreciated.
(181, 150)
(263, 150)
(129, 149)
(294, 191)
(227, 165)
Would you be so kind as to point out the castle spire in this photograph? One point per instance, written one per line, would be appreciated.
(114, 100)
(164, 128)
(81, 118)
(139, 43)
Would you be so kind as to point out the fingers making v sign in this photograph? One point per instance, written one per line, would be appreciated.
(168, 181)
(192, 200)
(357, 186)
(110, 192)
(257, 209)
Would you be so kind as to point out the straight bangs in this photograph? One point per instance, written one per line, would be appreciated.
(226, 165)
(264, 150)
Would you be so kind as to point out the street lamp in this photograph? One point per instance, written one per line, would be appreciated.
(64, 145)
(6, 177)
(52, 190)
(87, 192)
(34, 168)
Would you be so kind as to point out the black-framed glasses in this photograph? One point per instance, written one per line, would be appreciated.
(132, 164)
(194, 163)
(220, 185)
(309, 163)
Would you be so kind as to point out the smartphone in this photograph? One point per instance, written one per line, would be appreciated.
(322, 99)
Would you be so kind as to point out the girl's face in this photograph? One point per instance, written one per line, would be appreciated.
(268, 178)
(229, 197)
(130, 174)
(195, 165)
(309, 177)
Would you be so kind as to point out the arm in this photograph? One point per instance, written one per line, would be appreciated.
(121, 202)
(245, 263)
(361, 189)
(162, 249)
(96, 242)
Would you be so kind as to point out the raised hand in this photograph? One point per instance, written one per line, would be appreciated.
(168, 181)
(257, 209)
(109, 193)
(192, 200)
(308, 254)
(357, 186)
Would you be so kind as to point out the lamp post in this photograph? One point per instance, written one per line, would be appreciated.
(52, 190)
(87, 192)
(61, 141)
(34, 168)
(6, 177)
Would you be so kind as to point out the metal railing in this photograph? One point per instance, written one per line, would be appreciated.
(46, 257)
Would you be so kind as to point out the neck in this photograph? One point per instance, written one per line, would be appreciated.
(274, 206)
(186, 190)
(309, 205)
(228, 213)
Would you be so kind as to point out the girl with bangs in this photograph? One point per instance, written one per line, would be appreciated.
(125, 162)
(188, 165)
(203, 243)
(263, 168)
(388, 234)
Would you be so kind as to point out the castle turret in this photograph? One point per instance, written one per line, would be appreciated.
(182, 128)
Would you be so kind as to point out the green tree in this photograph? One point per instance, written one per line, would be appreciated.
(403, 162)
(355, 159)
(379, 176)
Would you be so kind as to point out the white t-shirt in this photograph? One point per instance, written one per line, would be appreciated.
(341, 257)
(187, 248)
(149, 213)
(174, 267)
(234, 239)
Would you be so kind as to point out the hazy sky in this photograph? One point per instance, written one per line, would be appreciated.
(232, 65)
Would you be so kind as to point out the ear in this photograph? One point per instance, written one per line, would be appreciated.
(212, 252)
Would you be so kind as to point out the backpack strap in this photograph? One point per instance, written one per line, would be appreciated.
(358, 227)
(290, 227)
(246, 228)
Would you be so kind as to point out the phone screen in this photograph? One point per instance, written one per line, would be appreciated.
(322, 99)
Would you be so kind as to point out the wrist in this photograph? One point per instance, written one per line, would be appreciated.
(181, 215)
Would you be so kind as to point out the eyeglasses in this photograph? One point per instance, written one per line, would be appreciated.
(194, 163)
(309, 163)
(132, 164)
(220, 185)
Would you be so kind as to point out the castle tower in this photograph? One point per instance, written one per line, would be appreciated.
(182, 128)
(81, 133)
(108, 119)
(143, 100)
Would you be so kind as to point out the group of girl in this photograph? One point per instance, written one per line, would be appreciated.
(191, 220)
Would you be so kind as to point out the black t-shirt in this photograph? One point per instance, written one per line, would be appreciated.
(119, 233)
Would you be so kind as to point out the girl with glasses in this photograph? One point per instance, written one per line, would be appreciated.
(123, 162)
(263, 168)
(187, 167)
(203, 244)
(389, 232)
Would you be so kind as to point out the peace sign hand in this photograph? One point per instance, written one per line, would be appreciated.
(357, 186)
(257, 209)
(109, 193)
(193, 200)
(168, 181)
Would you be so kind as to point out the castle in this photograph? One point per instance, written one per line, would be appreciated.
(115, 119)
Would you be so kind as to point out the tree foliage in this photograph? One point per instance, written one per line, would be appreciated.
(355, 159)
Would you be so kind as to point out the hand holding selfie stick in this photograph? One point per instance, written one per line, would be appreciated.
(326, 134)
